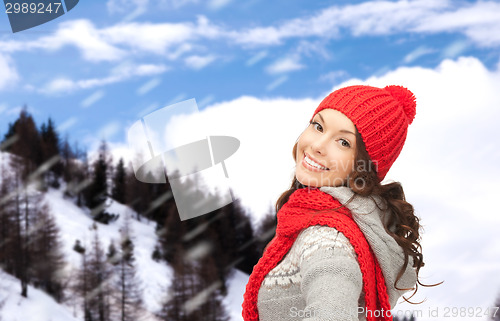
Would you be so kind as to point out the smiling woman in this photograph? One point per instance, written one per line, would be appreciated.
(346, 246)
(326, 150)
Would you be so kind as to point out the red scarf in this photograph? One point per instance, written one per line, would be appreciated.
(299, 212)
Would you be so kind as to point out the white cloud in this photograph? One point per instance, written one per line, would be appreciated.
(284, 65)
(256, 58)
(217, 4)
(116, 42)
(92, 99)
(59, 85)
(447, 167)
(8, 73)
(148, 86)
(199, 62)
(126, 6)
(455, 49)
(334, 76)
(369, 18)
(313, 48)
(149, 37)
(170, 39)
(479, 22)
(205, 101)
(175, 4)
(417, 53)
(68, 123)
(83, 35)
(120, 73)
(109, 130)
(455, 92)
(179, 51)
(276, 83)
(78, 33)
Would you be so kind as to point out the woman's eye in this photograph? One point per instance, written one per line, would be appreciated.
(345, 143)
(314, 125)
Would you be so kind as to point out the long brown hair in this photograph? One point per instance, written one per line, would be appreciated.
(405, 225)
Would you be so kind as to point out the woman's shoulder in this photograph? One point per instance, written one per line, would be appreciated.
(325, 241)
(322, 232)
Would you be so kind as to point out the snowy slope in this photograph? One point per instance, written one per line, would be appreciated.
(38, 306)
(234, 298)
(75, 223)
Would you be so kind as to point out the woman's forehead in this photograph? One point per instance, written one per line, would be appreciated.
(335, 118)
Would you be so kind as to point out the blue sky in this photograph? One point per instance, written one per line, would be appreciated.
(258, 69)
(97, 68)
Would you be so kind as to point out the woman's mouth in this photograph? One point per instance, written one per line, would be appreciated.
(312, 165)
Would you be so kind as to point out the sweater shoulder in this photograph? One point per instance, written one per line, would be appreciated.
(323, 241)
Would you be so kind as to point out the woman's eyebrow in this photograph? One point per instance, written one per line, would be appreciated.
(347, 131)
(342, 130)
(321, 117)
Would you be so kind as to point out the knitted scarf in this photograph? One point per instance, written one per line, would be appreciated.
(306, 207)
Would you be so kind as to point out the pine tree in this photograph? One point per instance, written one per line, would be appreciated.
(81, 175)
(20, 222)
(195, 291)
(97, 192)
(177, 293)
(27, 143)
(51, 150)
(83, 285)
(129, 292)
(99, 275)
(21, 208)
(119, 180)
(211, 291)
(232, 231)
(149, 200)
(139, 195)
(112, 256)
(266, 230)
(67, 158)
(171, 235)
(75, 170)
(47, 260)
(7, 220)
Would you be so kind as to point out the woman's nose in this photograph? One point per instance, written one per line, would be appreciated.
(319, 146)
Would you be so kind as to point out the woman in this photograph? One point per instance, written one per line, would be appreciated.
(346, 246)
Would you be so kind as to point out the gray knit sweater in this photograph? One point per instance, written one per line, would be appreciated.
(320, 279)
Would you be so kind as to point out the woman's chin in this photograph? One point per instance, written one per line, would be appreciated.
(308, 182)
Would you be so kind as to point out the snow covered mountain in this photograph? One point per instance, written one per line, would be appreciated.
(76, 224)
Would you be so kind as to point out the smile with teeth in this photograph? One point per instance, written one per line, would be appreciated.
(313, 163)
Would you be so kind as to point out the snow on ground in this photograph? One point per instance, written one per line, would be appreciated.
(234, 299)
(37, 307)
(76, 224)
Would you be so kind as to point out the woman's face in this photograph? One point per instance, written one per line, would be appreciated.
(326, 150)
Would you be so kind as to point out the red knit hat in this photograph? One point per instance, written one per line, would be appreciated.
(381, 116)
